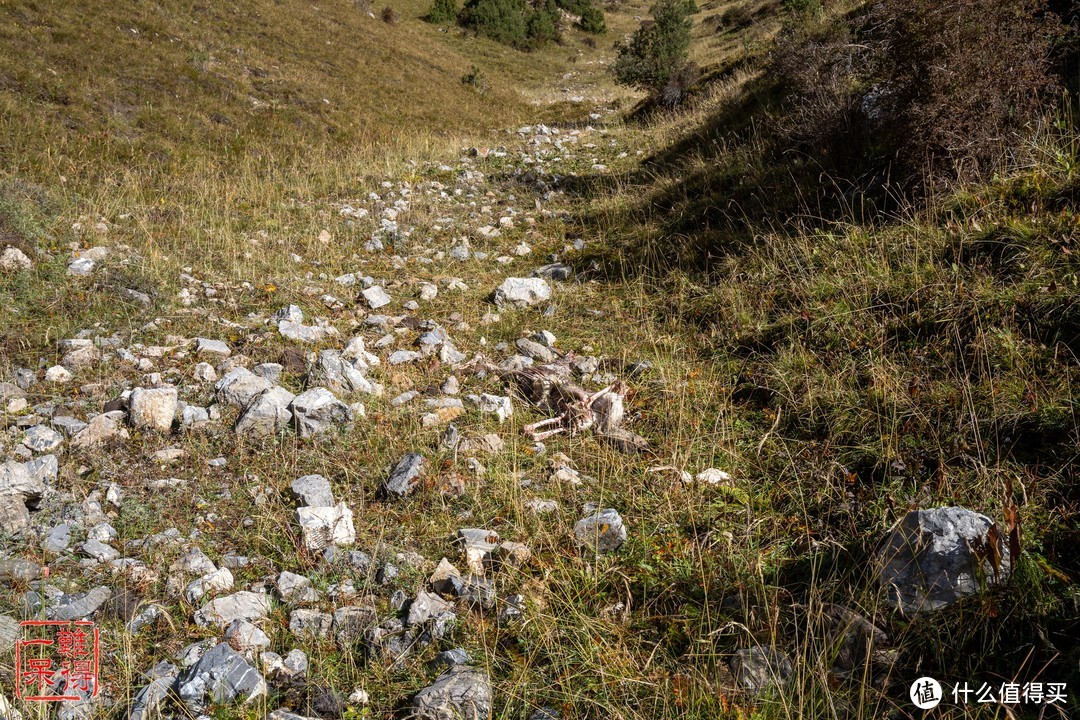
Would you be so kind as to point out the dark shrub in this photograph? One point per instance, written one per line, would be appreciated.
(576, 7)
(389, 15)
(541, 24)
(500, 20)
(820, 67)
(958, 79)
(803, 7)
(442, 12)
(658, 49)
(592, 20)
(679, 85)
(512, 22)
(475, 78)
(926, 90)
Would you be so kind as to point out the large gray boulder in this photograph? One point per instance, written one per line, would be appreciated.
(14, 516)
(935, 557)
(460, 693)
(340, 375)
(17, 479)
(101, 430)
(147, 701)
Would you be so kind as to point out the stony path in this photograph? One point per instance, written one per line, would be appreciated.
(381, 333)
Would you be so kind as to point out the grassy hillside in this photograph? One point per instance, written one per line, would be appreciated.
(163, 82)
(191, 118)
(867, 363)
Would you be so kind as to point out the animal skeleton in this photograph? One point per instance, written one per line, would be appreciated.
(574, 409)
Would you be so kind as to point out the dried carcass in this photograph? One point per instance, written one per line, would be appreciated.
(573, 409)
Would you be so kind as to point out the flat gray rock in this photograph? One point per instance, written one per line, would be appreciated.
(194, 562)
(99, 551)
(69, 426)
(756, 668)
(400, 357)
(535, 350)
(602, 532)
(244, 636)
(239, 387)
(522, 292)
(267, 414)
(42, 438)
(269, 371)
(193, 416)
(146, 703)
(16, 479)
(81, 266)
(295, 589)
(17, 569)
(403, 477)
(450, 658)
(286, 714)
(10, 632)
(243, 605)
(14, 515)
(152, 408)
(218, 581)
(214, 348)
(313, 491)
(311, 623)
(339, 374)
(426, 606)
(317, 411)
(57, 538)
(554, 271)
(221, 676)
(305, 333)
(375, 297)
(78, 606)
(101, 430)
(928, 562)
(43, 470)
(460, 693)
(81, 358)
